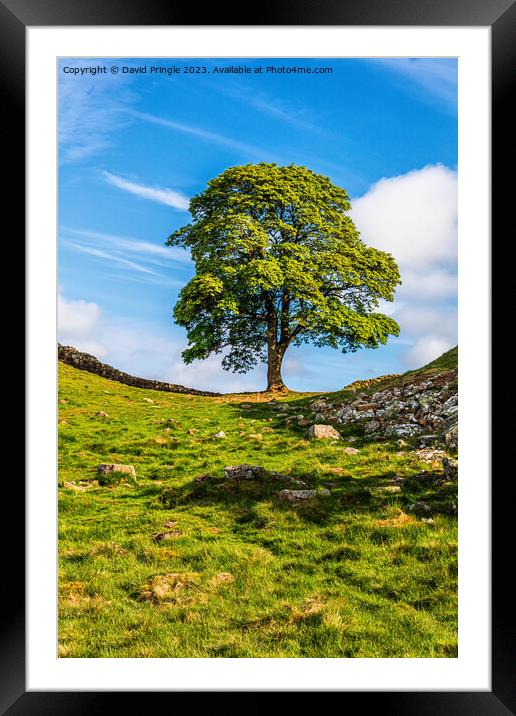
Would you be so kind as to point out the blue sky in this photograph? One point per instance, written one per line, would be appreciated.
(133, 148)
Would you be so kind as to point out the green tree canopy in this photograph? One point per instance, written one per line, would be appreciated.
(279, 262)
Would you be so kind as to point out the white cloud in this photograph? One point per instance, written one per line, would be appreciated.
(145, 351)
(414, 217)
(437, 284)
(169, 197)
(427, 349)
(78, 318)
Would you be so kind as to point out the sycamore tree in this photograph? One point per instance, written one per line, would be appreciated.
(279, 262)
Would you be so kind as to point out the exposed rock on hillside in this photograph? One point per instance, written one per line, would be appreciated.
(419, 407)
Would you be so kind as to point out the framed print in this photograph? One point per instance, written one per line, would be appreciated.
(264, 245)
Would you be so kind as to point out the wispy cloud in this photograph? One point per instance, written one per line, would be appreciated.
(149, 251)
(98, 253)
(271, 106)
(212, 137)
(434, 80)
(92, 112)
(162, 196)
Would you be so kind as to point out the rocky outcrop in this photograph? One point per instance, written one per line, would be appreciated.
(84, 361)
(414, 408)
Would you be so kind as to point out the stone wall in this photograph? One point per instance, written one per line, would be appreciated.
(84, 361)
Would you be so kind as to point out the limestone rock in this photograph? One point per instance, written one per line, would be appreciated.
(324, 432)
(296, 496)
(451, 468)
(372, 426)
(220, 436)
(106, 470)
(420, 508)
(244, 472)
(350, 451)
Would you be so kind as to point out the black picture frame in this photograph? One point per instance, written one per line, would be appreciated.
(500, 16)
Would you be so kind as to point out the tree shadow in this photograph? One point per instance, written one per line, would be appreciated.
(424, 494)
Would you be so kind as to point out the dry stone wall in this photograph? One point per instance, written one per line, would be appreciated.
(85, 361)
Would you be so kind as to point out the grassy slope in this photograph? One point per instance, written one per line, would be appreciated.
(351, 579)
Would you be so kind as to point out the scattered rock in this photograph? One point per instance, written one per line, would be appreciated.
(429, 454)
(147, 400)
(296, 496)
(255, 436)
(244, 472)
(372, 426)
(450, 435)
(220, 436)
(73, 486)
(101, 414)
(202, 478)
(170, 523)
(318, 405)
(164, 536)
(420, 508)
(451, 468)
(405, 429)
(194, 431)
(350, 450)
(426, 440)
(324, 432)
(106, 473)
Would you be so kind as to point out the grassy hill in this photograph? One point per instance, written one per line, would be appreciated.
(240, 574)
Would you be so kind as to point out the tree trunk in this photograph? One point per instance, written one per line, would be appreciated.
(275, 358)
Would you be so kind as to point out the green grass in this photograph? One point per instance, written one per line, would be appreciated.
(351, 576)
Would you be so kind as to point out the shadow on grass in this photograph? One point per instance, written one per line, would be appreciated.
(368, 494)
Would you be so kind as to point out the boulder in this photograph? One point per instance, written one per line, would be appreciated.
(420, 508)
(450, 435)
(371, 426)
(318, 405)
(402, 430)
(296, 496)
(244, 472)
(451, 468)
(109, 473)
(220, 436)
(324, 432)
